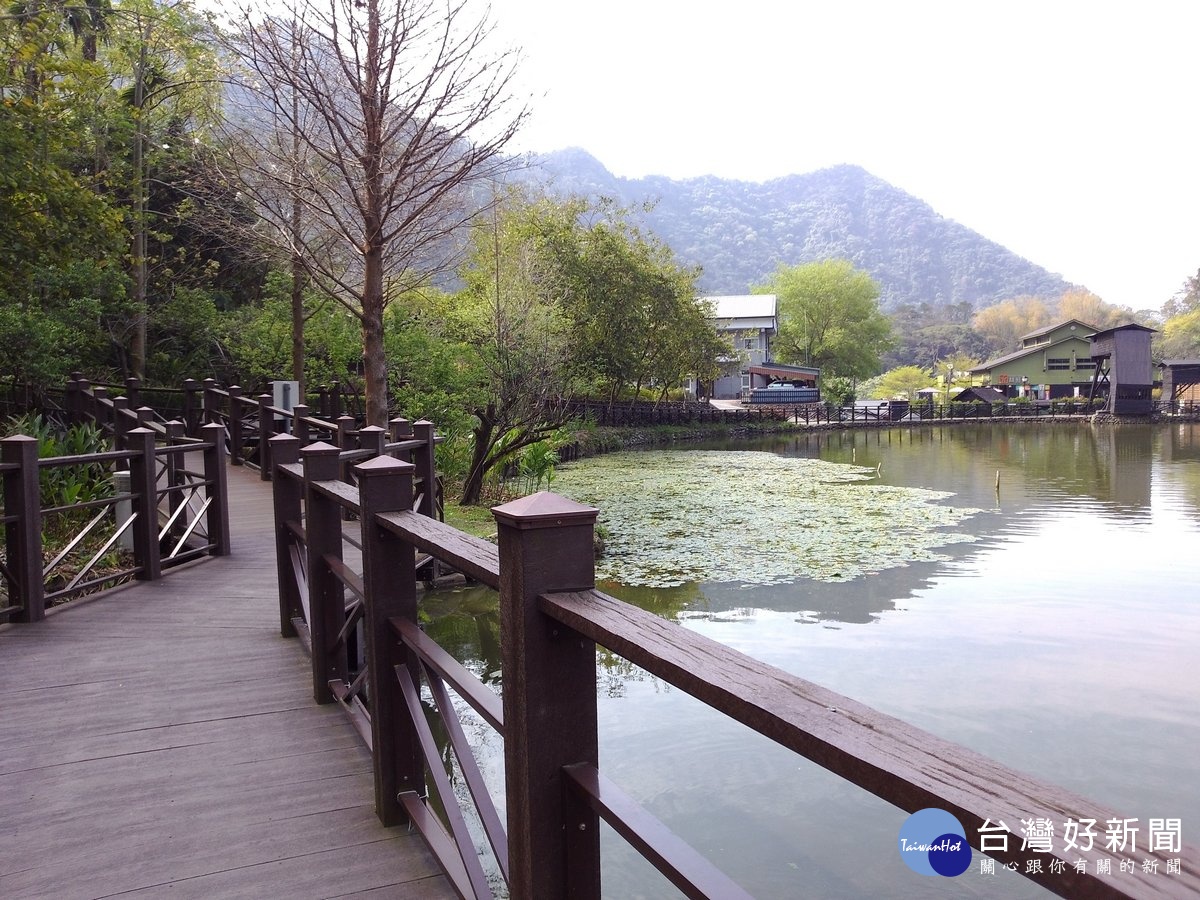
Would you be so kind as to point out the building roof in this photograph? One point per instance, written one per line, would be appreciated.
(783, 370)
(1132, 326)
(1024, 351)
(743, 306)
(1049, 328)
(986, 394)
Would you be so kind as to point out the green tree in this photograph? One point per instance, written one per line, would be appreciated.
(690, 348)
(258, 337)
(631, 307)
(927, 332)
(956, 367)
(164, 92)
(510, 325)
(1186, 299)
(829, 317)
(61, 270)
(904, 381)
(1181, 336)
(838, 391)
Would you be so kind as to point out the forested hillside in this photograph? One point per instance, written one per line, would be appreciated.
(739, 232)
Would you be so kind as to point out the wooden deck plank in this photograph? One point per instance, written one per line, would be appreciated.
(163, 739)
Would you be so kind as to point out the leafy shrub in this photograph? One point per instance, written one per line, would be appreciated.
(66, 485)
(838, 391)
(537, 465)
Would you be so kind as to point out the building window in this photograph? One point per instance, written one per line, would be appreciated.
(1058, 363)
(749, 343)
(1085, 362)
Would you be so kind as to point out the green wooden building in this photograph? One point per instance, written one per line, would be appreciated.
(1051, 363)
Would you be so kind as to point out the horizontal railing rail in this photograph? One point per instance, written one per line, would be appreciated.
(552, 621)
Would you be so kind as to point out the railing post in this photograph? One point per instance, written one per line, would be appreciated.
(326, 597)
(299, 424)
(71, 400)
(133, 391)
(191, 407)
(145, 415)
(345, 441)
(288, 496)
(235, 425)
(549, 697)
(86, 401)
(23, 538)
(174, 463)
(423, 459)
(143, 479)
(218, 488)
(120, 424)
(373, 438)
(211, 402)
(345, 427)
(101, 406)
(401, 430)
(390, 586)
(335, 400)
(266, 429)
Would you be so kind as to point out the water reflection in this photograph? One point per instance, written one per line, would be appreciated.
(853, 602)
(465, 622)
(1109, 464)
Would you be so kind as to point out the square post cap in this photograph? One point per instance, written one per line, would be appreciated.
(544, 509)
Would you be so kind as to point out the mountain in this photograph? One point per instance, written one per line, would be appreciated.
(739, 232)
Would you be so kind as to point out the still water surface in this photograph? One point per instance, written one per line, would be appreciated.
(1064, 642)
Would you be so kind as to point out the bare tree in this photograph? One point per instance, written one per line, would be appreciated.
(366, 124)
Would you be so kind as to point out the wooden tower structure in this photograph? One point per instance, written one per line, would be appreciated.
(1122, 358)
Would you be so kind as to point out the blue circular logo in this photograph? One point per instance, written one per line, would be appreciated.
(932, 842)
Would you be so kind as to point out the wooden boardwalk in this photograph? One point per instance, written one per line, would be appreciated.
(163, 741)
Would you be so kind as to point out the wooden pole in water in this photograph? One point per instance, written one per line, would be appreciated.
(997, 481)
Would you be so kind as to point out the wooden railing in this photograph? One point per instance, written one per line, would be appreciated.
(552, 619)
(625, 415)
(170, 512)
(907, 413)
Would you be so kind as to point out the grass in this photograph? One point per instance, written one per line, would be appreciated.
(476, 520)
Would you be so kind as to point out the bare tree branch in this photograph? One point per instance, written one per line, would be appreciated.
(365, 125)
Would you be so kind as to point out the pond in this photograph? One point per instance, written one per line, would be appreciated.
(1050, 622)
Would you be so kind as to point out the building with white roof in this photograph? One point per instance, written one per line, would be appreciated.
(750, 322)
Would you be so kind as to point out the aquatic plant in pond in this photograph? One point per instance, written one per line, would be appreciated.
(679, 516)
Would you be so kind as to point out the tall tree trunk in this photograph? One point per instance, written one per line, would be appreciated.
(298, 273)
(482, 432)
(374, 357)
(137, 349)
(373, 300)
(298, 328)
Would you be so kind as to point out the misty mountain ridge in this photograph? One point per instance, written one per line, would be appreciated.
(739, 232)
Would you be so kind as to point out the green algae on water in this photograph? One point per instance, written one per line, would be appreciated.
(680, 516)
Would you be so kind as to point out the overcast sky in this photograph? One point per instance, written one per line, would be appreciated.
(1066, 131)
